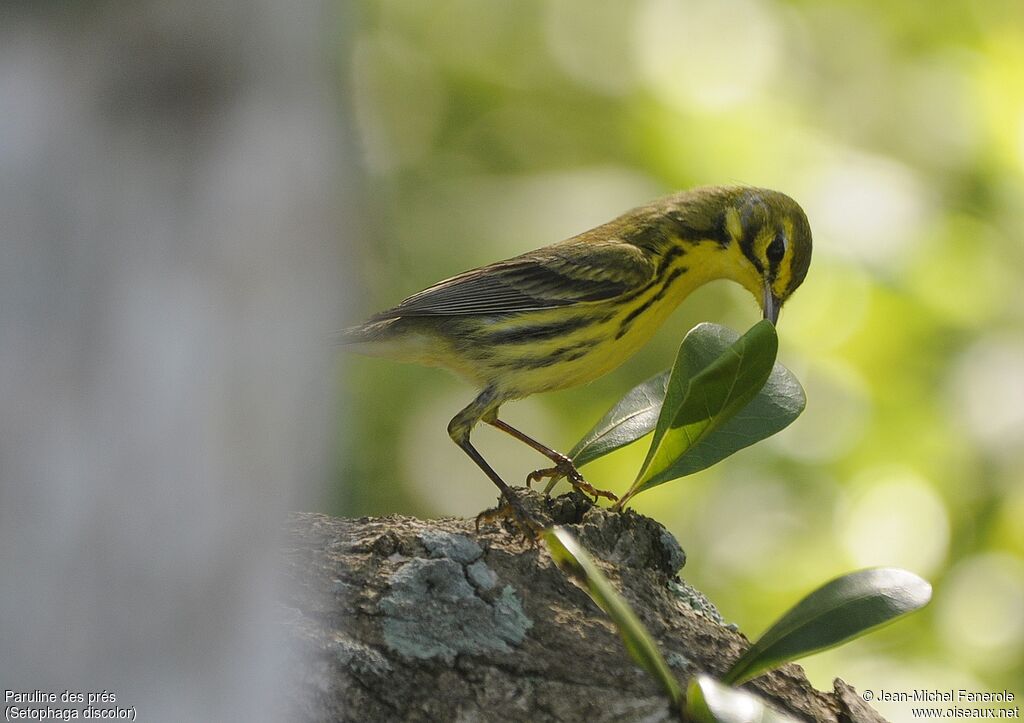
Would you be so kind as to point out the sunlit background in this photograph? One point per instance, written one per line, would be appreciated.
(490, 128)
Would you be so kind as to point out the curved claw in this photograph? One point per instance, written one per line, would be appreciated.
(565, 468)
(511, 509)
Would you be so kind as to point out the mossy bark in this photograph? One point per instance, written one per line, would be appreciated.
(397, 618)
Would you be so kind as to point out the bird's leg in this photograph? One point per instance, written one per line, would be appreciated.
(563, 465)
(459, 428)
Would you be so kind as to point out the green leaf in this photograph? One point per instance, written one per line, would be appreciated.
(840, 610)
(570, 556)
(708, 701)
(712, 396)
(715, 376)
(630, 419)
(780, 401)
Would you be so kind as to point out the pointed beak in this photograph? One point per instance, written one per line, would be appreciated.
(771, 305)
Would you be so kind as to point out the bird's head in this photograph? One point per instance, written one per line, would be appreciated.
(772, 234)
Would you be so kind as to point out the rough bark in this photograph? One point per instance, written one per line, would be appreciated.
(397, 618)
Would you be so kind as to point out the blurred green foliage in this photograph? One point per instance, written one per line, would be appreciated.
(489, 128)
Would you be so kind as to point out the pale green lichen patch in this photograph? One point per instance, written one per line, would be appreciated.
(482, 576)
(678, 660)
(696, 600)
(432, 611)
(456, 547)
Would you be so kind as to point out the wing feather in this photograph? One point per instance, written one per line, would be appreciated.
(556, 276)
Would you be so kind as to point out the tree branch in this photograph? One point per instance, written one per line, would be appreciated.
(399, 618)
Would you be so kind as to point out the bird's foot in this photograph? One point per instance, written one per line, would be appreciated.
(512, 509)
(565, 468)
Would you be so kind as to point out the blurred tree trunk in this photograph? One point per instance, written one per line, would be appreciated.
(173, 186)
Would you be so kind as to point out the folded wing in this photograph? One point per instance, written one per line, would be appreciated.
(558, 275)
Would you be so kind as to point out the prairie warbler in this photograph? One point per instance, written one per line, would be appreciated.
(567, 313)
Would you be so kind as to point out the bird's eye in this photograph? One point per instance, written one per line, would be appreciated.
(776, 250)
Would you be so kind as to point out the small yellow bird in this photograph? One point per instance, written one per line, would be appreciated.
(567, 313)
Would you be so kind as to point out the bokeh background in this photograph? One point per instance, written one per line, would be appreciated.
(488, 128)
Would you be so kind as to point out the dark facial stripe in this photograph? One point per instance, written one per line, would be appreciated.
(627, 322)
(750, 231)
(774, 262)
(747, 247)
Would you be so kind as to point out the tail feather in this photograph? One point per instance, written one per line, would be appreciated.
(368, 333)
(386, 338)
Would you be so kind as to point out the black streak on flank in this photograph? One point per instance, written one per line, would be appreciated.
(627, 322)
(637, 292)
(538, 332)
(671, 255)
(561, 356)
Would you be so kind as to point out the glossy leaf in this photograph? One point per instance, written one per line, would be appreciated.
(708, 701)
(780, 401)
(712, 380)
(712, 396)
(573, 559)
(630, 419)
(840, 610)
